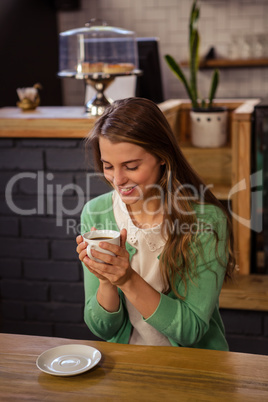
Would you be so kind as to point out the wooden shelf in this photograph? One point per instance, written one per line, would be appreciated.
(230, 63)
(245, 292)
(214, 165)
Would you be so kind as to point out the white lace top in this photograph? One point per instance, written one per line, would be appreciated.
(149, 243)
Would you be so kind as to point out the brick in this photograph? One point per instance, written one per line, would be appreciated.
(66, 159)
(19, 205)
(39, 312)
(72, 227)
(51, 271)
(6, 143)
(265, 323)
(48, 143)
(67, 292)
(64, 250)
(65, 205)
(5, 177)
(10, 268)
(13, 310)
(9, 226)
(68, 313)
(42, 228)
(247, 344)
(29, 183)
(24, 290)
(28, 328)
(88, 152)
(81, 144)
(92, 184)
(45, 182)
(23, 248)
(74, 331)
(242, 322)
(55, 312)
(22, 159)
(81, 272)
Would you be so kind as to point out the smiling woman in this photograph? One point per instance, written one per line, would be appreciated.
(134, 179)
(162, 285)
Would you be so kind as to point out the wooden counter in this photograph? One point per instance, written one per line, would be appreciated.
(45, 122)
(132, 373)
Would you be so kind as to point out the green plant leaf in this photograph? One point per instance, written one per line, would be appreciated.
(194, 52)
(194, 15)
(194, 61)
(173, 65)
(214, 86)
(191, 84)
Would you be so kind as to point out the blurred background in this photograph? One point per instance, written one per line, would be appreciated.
(30, 28)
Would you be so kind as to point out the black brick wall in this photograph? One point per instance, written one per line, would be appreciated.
(41, 279)
(246, 331)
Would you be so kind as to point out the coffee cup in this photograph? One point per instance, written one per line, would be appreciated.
(95, 237)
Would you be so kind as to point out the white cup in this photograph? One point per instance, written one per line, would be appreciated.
(94, 237)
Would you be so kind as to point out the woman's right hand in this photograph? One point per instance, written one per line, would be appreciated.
(107, 294)
(81, 249)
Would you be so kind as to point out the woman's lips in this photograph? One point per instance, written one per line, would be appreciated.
(127, 190)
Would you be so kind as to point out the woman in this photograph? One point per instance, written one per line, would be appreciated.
(162, 286)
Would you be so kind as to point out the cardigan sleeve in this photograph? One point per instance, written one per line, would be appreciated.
(187, 321)
(102, 323)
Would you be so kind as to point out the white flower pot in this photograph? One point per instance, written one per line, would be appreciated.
(209, 127)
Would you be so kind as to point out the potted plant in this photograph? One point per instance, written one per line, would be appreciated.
(208, 123)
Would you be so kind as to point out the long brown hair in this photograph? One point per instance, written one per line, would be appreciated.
(141, 122)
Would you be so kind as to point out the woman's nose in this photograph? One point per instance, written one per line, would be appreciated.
(119, 178)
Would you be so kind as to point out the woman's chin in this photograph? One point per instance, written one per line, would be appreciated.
(129, 200)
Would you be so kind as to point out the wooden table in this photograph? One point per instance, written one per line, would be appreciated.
(132, 373)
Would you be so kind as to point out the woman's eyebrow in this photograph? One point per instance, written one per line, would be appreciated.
(132, 160)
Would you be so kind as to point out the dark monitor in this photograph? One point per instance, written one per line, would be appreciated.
(149, 85)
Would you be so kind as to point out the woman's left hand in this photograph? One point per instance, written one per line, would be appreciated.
(117, 268)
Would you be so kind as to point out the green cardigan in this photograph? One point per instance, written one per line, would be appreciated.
(192, 322)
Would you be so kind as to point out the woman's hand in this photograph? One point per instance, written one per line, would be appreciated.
(81, 249)
(116, 269)
(116, 272)
(107, 294)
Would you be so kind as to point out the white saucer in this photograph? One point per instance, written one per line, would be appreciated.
(68, 360)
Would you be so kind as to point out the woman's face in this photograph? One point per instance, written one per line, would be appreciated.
(131, 170)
